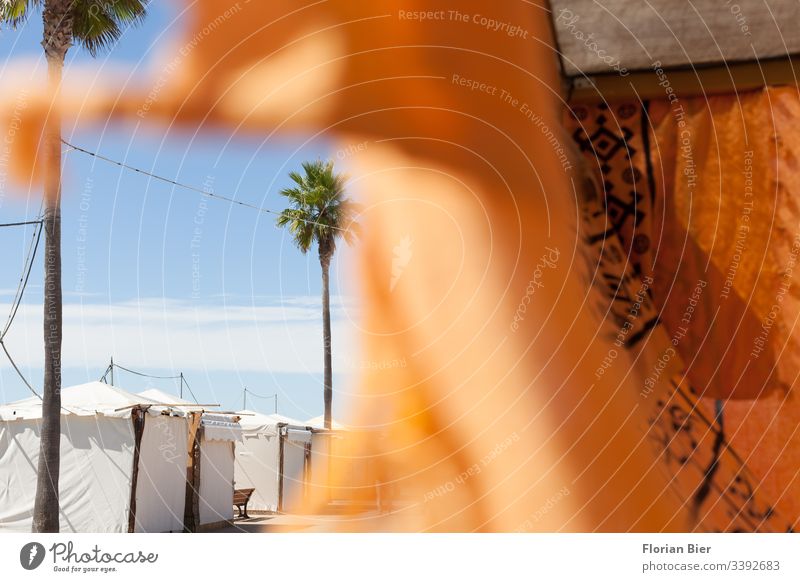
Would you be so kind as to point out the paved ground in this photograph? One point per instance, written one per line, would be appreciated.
(276, 523)
(367, 521)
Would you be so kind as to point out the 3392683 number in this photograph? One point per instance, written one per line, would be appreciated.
(756, 565)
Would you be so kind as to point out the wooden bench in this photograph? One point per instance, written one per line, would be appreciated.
(241, 497)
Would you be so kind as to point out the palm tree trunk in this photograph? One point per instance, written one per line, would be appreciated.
(57, 39)
(325, 261)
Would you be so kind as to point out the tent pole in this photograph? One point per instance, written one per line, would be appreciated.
(181, 393)
(137, 418)
(276, 403)
(112, 370)
(281, 445)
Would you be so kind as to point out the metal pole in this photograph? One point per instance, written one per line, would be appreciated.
(244, 398)
(181, 396)
(112, 370)
(276, 403)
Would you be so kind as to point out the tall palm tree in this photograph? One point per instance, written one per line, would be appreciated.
(320, 213)
(95, 25)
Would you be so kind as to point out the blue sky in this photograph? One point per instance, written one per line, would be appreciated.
(166, 280)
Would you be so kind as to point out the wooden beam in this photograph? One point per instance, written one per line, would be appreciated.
(169, 405)
(281, 443)
(191, 512)
(685, 82)
(137, 418)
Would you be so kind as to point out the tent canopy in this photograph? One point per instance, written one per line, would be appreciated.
(252, 421)
(216, 426)
(98, 478)
(83, 400)
(164, 398)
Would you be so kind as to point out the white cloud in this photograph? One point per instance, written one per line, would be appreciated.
(174, 334)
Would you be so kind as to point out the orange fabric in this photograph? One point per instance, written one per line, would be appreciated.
(731, 220)
(690, 264)
(739, 229)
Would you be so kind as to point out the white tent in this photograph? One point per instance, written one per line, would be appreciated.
(211, 487)
(104, 485)
(216, 457)
(285, 419)
(274, 458)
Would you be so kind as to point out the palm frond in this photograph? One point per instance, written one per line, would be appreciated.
(299, 226)
(297, 197)
(298, 179)
(318, 208)
(125, 11)
(16, 12)
(98, 24)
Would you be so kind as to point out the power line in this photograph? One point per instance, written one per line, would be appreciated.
(180, 376)
(27, 267)
(202, 191)
(183, 379)
(247, 391)
(143, 374)
(21, 223)
(21, 286)
(23, 280)
(25, 380)
(258, 395)
(19, 373)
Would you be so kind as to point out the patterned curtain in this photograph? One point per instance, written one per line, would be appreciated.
(693, 236)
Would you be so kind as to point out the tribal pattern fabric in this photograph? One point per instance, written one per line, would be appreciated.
(705, 435)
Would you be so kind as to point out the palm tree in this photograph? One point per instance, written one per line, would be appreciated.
(320, 212)
(95, 25)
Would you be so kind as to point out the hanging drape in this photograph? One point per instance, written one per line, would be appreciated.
(692, 231)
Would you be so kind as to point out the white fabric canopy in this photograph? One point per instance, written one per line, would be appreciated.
(219, 433)
(82, 400)
(95, 479)
(286, 419)
(161, 484)
(97, 452)
(255, 421)
(296, 465)
(216, 481)
(162, 397)
(258, 460)
(217, 427)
